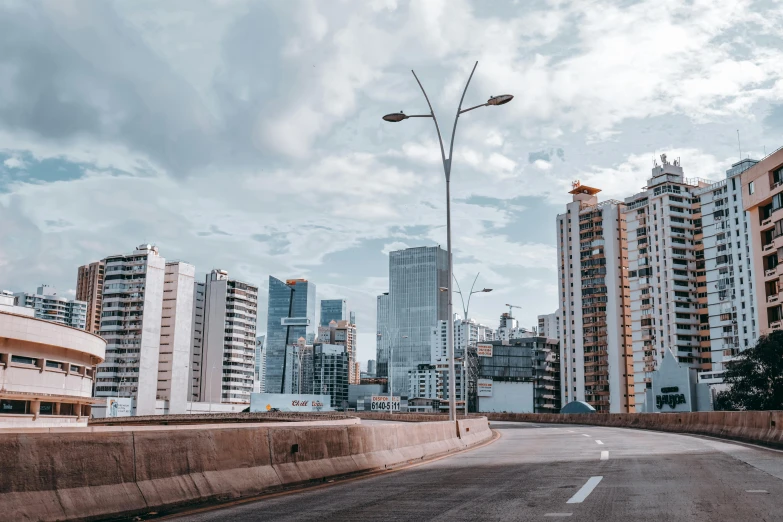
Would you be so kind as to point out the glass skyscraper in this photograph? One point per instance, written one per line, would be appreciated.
(333, 310)
(416, 304)
(383, 339)
(291, 315)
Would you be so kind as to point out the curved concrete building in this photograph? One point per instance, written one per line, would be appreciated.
(46, 372)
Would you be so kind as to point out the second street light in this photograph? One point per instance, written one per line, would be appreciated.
(400, 116)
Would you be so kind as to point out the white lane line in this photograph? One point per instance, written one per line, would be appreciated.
(570, 431)
(585, 435)
(585, 491)
(604, 455)
(756, 491)
(558, 514)
(599, 442)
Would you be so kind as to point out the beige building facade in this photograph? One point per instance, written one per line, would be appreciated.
(47, 372)
(762, 198)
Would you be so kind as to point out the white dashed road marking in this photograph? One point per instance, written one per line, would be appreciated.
(585, 435)
(585, 491)
(558, 514)
(599, 442)
(604, 455)
(756, 491)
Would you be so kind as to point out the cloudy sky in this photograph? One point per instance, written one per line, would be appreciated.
(247, 135)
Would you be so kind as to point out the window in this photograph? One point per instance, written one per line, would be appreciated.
(751, 188)
(23, 360)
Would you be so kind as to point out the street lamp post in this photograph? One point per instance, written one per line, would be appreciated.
(465, 358)
(397, 117)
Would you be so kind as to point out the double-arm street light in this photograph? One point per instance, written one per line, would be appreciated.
(400, 116)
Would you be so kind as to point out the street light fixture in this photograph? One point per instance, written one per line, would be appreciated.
(397, 117)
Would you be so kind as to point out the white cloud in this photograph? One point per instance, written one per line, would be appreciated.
(14, 163)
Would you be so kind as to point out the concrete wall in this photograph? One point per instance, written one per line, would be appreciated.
(120, 471)
(765, 427)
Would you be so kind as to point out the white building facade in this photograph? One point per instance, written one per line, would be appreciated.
(176, 330)
(51, 307)
(728, 262)
(666, 273)
(131, 325)
(224, 358)
(593, 291)
(549, 325)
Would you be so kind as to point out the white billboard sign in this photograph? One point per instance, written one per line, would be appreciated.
(119, 407)
(261, 402)
(484, 387)
(384, 403)
(484, 350)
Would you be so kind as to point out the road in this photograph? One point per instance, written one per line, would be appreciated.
(545, 472)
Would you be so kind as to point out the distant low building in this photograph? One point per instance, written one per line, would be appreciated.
(52, 307)
(676, 388)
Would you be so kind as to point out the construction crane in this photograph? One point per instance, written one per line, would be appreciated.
(510, 306)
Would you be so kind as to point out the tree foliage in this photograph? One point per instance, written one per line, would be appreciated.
(755, 377)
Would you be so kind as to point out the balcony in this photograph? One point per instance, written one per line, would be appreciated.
(767, 224)
(776, 325)
(772, 272)
(773, 298)
(769, 247)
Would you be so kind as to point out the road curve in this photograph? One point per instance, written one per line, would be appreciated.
(545, 472)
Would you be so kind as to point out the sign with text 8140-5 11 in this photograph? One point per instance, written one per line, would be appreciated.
(484, 350)
(384, 403)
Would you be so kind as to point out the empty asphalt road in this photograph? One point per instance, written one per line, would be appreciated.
(546, 472)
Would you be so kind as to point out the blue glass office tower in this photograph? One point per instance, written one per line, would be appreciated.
(333, 310)
(291, 315)
(416, 304)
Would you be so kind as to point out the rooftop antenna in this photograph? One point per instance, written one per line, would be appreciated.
(739, 147)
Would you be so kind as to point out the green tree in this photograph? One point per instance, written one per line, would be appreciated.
(755, 377)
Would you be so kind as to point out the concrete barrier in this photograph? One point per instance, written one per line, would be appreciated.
(96, 474)
(760, 427)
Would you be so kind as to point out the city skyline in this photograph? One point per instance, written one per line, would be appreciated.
(205, 164)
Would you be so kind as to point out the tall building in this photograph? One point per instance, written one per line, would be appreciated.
(131, 325)
(666, 273)
(549, 325)
(416, 276)
(176, 328)
(260, 374)
(371, 369)
(595, 342)
(333, 310)
(226, 364)
(52, 307)
(89, 288)
(728, 262)
(197, 340)
(762, 198)
(291, 315)
(384, 334)
(342, 333)
(331, 369)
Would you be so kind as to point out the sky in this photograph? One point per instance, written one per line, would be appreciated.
(247, 135)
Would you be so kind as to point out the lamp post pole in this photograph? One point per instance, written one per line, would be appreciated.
(465, 358)
(397, 117)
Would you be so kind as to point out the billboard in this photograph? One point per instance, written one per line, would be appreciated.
(261, 402)
(484, 350)
(119, 407)
(384, 403)
(484, 387)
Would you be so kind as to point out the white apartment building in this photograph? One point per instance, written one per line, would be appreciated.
(728, 262)
(224, 357)
(593, 290)
(131, 325)
(426, 382)
(176, 329)
(466, 333)
(52, 307)
(549, 325)
(342, 333)
(667, 274)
